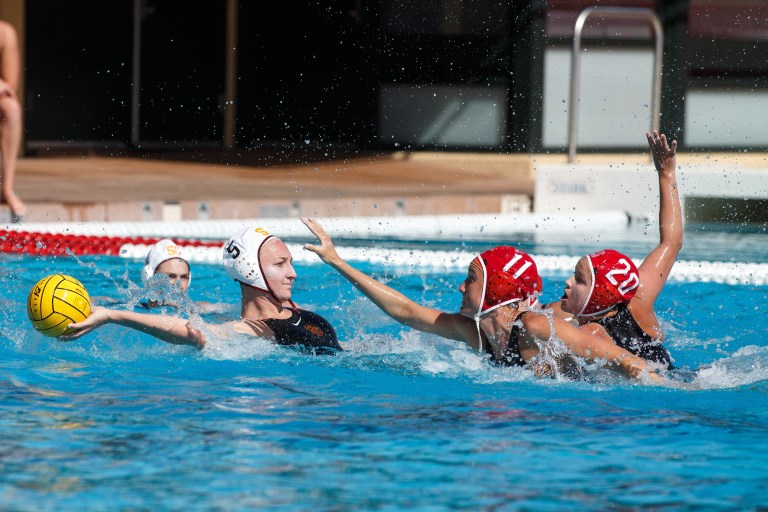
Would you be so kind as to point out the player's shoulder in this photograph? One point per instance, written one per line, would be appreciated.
(537, 323)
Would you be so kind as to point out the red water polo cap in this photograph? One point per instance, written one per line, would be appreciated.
(509, 275)
(614, 281)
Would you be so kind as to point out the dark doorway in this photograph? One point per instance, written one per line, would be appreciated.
(306, 74)
(78, 72)
(182, 72)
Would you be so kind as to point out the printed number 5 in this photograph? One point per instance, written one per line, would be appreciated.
(234, 250)
(629, 284)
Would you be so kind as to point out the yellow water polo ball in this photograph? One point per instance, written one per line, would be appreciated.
(55, 302)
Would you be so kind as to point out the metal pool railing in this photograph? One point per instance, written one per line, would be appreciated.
(610, 12)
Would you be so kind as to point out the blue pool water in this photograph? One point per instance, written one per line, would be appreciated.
(401, 420)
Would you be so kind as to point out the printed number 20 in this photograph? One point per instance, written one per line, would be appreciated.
(630, 283)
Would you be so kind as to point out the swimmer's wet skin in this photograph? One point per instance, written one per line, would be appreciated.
(500, 291)
(609, 296)
(262, 263)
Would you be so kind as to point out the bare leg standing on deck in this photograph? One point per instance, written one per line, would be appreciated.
(10, 118)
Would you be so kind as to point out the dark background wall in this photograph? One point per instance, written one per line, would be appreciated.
(310, 73)
(307, 72)
(78, 70)
(80, 74)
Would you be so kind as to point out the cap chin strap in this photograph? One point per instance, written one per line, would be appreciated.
(479, 336)
(597, 313)
(481, 314)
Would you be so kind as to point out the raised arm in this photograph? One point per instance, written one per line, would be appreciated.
(656, 267)
(392, 302)
(166, 328)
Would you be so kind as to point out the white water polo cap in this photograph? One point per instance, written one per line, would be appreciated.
(164, 250)
(241, 256)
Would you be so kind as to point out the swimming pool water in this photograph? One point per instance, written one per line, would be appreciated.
(401, 420)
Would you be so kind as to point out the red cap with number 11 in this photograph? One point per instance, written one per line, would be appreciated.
(509, 275)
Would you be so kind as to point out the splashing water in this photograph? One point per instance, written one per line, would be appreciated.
(118, 419)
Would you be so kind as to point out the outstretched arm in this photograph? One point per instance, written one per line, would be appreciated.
(392, 302)
(594, 347)
(656, 267)
(591, 346)
(167, 328)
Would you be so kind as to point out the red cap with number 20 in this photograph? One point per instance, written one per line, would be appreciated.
(614, 281)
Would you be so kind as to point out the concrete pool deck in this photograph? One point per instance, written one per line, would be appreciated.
(184, 186)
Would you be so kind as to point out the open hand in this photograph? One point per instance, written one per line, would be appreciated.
(98, 317)
(664, 154)
(326, 251)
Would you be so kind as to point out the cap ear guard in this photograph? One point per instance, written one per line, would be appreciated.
(500, 287)
(146, 273)
(249, 272)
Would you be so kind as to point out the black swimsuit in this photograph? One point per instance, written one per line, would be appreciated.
(625, 332)
(555, 364)
(306, 329)
(511, 355)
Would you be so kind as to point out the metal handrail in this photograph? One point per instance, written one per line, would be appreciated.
(610, 12)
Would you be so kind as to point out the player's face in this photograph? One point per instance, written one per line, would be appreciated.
(471, 290)
(177, 271)
(277, 263)
(577, 288)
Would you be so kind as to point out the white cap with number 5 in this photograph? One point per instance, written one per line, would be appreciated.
(241, 256)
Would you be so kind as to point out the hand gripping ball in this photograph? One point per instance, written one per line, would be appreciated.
(55, 302)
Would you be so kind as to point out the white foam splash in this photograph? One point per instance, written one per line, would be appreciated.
(747, 365)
